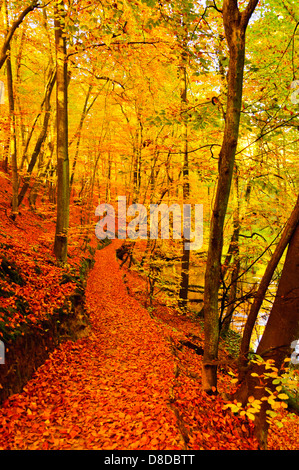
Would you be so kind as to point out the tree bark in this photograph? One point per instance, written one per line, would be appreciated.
(282, 328)
(78, 134)
(62, 222)
(235, 253)
(266, 279)
(14, 157)
(235, 24)
(12, 119)
(185, 261)
(40, 139)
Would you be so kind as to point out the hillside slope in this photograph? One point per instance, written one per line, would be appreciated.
(131, 381)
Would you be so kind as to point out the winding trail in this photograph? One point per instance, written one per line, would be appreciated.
(109, 390)
(125, 386)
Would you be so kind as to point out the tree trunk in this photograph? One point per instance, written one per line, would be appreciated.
(108, 177)
(40, 139)
(18, 80)
(235, 23)
(13, 140)
(282, 328)
(137, 153)
(266, 279)
(14, 158)
(184, 284)
(235, 253)
(85, 111)
(62, 222)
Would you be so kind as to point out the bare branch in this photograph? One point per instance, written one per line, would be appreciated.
(14, 26)
(247, 13)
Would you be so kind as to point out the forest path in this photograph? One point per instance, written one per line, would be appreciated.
(109, 390)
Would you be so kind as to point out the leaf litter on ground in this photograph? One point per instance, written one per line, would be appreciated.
(123, 387)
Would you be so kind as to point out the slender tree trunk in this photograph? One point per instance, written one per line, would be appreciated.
(108, 177)
(45, 103)
(13, 141)
(14, 158)
(137, 146)
(235, 252)
(20, 122)
(62, 222)
(185, 261)
(40, 139)
(6, 147)
(235, 24)
(79, 132)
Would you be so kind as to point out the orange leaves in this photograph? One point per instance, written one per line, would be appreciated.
(27, 246)
(121, 387)
(107, 391)
(39, 297)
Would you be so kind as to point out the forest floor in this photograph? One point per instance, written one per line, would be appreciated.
(132, 383)
(127, 385)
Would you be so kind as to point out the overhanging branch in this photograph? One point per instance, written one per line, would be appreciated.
(14, 26)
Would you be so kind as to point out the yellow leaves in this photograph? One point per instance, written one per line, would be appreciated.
(254, 374)
(269, 364)
(234, 378)
(235, 407)
(271, 413)
(249, 415)
(274, 404)
(274, 393)
(250, 412)
(283, 396)
(273, 374)
(253, 407)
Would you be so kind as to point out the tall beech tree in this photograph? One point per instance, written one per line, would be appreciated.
(13, 137)
(185, 263)
(14, 158)
(62, 222)
(235, 24)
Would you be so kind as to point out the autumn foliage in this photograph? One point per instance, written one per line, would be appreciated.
(131, 383)
(135, 345)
